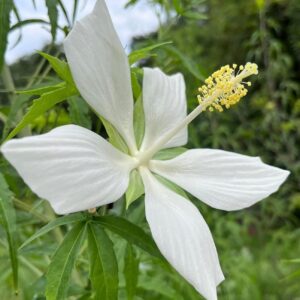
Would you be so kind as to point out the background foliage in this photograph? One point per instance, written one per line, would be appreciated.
(259, 247)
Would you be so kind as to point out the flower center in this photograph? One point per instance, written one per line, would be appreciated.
(223, 88)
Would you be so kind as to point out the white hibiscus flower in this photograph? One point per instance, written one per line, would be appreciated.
(76, 169)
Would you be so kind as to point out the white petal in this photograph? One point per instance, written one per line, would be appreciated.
(222, 179)
(182, 236)
(71, 167)
(164, 106)
(100, 69)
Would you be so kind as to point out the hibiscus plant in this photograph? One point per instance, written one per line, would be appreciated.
(80, 173)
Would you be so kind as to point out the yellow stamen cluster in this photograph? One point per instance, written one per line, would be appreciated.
(225, 87)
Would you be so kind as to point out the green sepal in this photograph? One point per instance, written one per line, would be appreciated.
(114, 136)
(169, 153)
(135, 188)
(139, 122)
(172, 186)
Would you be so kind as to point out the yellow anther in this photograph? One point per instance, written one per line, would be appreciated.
(225, 87)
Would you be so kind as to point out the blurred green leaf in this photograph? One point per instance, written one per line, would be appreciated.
(79, 112)
(144, 52)
(131, 271)
(65, 220)
(43, 104)
(53, 16)
(5, 9)
(8, 220)
(135, 188)
(129, 231)
(103, 264)
(62, 263)
(22, 23)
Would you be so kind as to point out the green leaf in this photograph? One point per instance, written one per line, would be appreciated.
(169, 153)
(5, 8)
(65, 220)
(135, 188)
(43, 104)
(8, 220)
(144, 52)
(114, 137)
(195, 15)
(53, 16)
(139, 122)
(131, 272)
(12, 117)
(27, 22)
(103, 264)
(42, 90)
(63, 261)
(60, 67)
(129, 231)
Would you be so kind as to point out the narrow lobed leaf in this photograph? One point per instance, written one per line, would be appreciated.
(62, 263)
(53, 16)
(131, 272)
(8, 220)
(103, 264)
(65, 220)
(130, 232)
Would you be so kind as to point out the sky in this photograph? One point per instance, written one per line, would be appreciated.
(133, 21)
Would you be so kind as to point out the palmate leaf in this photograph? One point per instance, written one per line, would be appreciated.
(103, 264)
(65, 220)
(5, 8)
(63, 261)
(8, 220)
(130, 232)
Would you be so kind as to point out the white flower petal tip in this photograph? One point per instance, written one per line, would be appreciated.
(182, 236)
(222, 179)
(101, 70)
(71, 167)
(165, 105)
